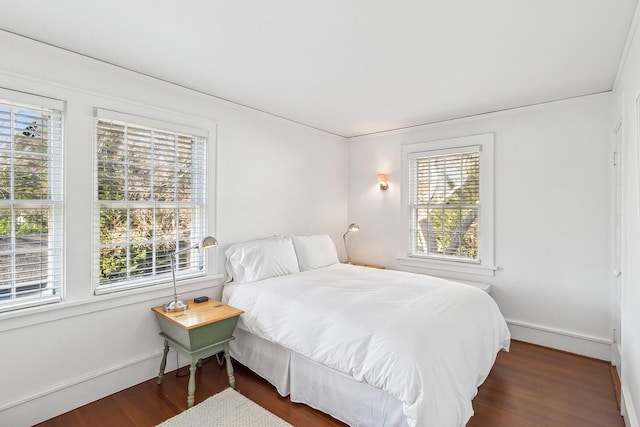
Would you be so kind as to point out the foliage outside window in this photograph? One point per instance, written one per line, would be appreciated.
(30, 200)
(150, 190)
(446, 204)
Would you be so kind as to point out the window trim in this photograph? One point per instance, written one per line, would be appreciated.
(152, 282)
(485, 266)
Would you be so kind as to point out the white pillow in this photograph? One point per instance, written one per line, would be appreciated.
(315, 251)
(261, 259)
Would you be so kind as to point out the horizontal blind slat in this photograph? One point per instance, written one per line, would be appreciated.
(110, 115)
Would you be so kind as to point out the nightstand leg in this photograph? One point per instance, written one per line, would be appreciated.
(232, 379)
(163, 363)
(192, 384)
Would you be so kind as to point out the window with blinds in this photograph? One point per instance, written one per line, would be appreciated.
(31, 171)
(445, 204)
(150, 200)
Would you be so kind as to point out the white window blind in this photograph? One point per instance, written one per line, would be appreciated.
(150, 200)
(31, 177)
(445, 204)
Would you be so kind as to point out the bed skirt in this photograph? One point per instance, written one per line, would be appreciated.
(305, 381)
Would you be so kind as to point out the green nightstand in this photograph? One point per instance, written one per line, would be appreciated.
(200, 331)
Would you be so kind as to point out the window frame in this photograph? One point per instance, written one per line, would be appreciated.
(198, 259)
(54, 204)
(484, 265)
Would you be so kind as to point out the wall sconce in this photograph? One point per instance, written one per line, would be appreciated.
(383, 181)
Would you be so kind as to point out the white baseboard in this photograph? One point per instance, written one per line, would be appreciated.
(61, 398)
(561, 340)
(616, 354)
(631, 417)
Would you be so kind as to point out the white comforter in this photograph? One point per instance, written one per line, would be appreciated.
(428, 342)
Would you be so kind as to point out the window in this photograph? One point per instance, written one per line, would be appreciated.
(445, 206)
(150, 200)
(30, 200)
(448, 205)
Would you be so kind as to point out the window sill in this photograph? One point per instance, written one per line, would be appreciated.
(448, 266)
(61, 310)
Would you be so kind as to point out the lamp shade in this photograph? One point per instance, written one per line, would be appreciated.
(208, 242)
(354, 227)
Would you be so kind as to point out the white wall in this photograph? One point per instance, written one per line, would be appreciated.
(552, 215)
(268, 176)
(274, 176)
(626, 111)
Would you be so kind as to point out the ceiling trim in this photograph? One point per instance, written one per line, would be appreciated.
(471, 117)
(627, 45)
(172, 83)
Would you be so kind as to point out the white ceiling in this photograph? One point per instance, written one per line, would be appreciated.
(349, 67)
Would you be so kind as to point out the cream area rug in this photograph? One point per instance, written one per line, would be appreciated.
(226, 409)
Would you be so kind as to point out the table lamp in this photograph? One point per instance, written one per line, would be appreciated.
(175, 305)
(352, 227)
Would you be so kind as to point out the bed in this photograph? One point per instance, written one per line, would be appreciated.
(370, 347)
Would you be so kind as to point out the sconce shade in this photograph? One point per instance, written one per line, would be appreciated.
(383, 181)
(354, 227)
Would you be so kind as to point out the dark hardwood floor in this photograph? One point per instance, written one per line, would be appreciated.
(529, 386)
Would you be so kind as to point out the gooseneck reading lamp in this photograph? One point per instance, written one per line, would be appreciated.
(352, 227)
(175, 305)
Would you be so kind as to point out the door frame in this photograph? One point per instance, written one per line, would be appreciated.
(616, 246)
